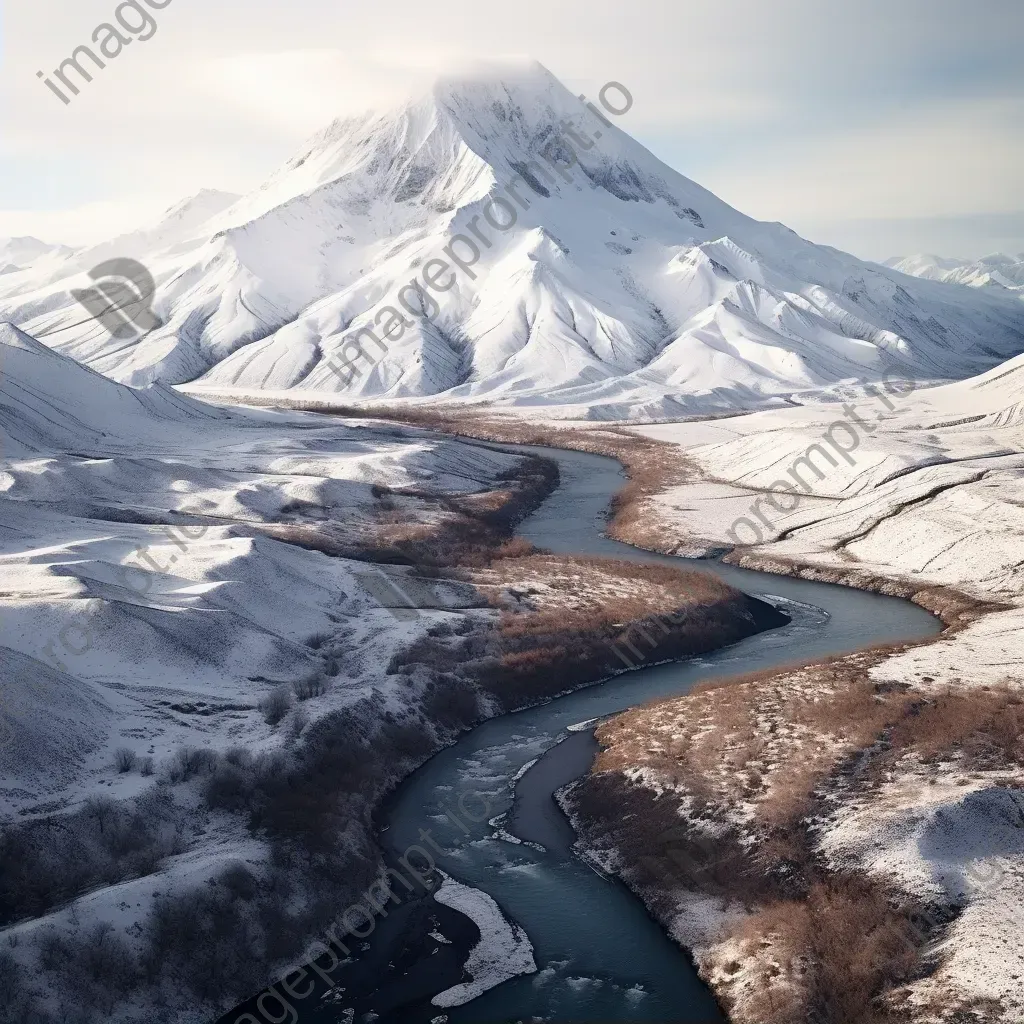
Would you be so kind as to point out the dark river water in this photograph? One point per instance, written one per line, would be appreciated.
(600, 957)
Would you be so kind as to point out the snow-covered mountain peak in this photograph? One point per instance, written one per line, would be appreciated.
(568, 267)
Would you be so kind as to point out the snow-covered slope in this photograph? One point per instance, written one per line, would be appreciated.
(623, 288)
(927, 486)
(135, 571)
(147, 607)
(52, 404)
(997, 271)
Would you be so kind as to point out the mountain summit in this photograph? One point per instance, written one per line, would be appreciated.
(621, 287)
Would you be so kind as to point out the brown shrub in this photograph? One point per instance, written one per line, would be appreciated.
(839, 951)
(985, 726)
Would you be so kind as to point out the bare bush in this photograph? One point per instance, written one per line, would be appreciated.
(309, 687)
(239, 756)
(229, 787)
(296, 723)
(188, 762)
(101, 808)
(217, 941)
(276, 705)
(10, 979)
(240, 882)
(106, 960)
(452, 705)
(125, 759)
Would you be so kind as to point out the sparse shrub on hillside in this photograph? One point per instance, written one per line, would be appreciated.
(211, 937)
(451, 706)
(102, 809)
(10, 979)
(296, 723)
(240, 882)
(984, 726)
(125, 759)
(309, 687)
(104, 965)
(829, 946)
(229, 787)
(104, 842)
(188, 762)
(239, 756)
(276, 705)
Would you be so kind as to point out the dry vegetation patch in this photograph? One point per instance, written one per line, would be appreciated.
(722, 793)
(562, 621)
(430, 529)
(568, 583)
(651, 466)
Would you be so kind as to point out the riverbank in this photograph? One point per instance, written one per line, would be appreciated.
(600, 944)
(652, 456)
(952, 775)
(530, 626)
(866, 812)
(174, 830)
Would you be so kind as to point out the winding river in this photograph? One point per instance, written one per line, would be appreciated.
(600, 956)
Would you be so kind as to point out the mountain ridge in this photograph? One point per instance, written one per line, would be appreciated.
(997, 270)
(623, 288)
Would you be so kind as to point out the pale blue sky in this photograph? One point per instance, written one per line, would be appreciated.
(880, 127)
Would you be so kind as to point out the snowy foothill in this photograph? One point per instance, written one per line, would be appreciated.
(931, 496)
(140, 586)
(502, 952)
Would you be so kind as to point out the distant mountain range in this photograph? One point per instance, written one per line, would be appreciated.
(996, 271)
(622, 289)
(16, 253)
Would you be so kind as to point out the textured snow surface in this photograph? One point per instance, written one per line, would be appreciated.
(959, 841)
(930, 490)
(503, 951)
(118, 632)
(623, 289)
